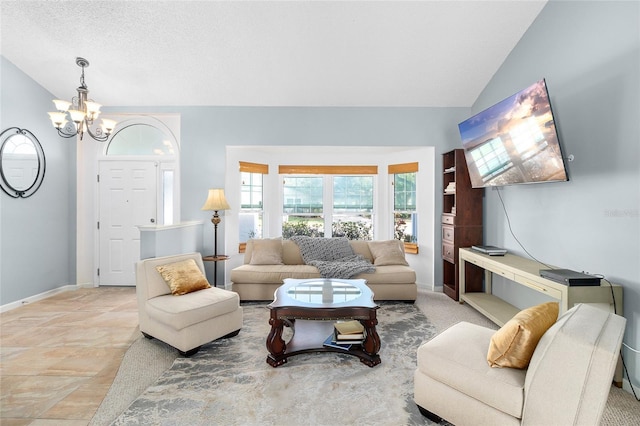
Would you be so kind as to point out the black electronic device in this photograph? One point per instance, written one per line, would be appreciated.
(569, 277)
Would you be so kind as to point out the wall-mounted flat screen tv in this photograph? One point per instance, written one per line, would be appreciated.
(515, 141)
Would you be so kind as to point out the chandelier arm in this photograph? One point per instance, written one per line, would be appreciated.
(98, 135)
(65, 134)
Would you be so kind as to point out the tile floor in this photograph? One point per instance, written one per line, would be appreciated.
(59, 356)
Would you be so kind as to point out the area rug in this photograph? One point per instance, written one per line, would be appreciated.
(229, 381)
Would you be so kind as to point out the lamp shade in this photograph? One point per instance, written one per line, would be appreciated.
(216, 201)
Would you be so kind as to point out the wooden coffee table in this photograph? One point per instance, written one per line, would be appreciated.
(310, 307)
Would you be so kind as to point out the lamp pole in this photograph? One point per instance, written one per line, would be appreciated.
(215, 220)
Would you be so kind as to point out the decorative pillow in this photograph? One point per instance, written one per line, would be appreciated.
(183, 277)
(387, 253)
(267, 252)
(513, 345)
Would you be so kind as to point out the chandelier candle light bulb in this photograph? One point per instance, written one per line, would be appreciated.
(82, 112)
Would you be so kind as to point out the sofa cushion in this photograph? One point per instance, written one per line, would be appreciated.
(463, 367)
(391, 274)
(272, 274)
(291, 253)
(183, 277)
(361, 247)
(513, 344)
(267, 252)
(387, 253)
(192, 308)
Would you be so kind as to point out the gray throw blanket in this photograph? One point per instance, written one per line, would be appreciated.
(333, 257)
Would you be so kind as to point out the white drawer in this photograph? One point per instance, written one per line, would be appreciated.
(448, 219)
(447, 233)
(475, 261)
(552, 292)
(502, 272)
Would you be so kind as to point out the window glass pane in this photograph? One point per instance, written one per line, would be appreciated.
(352, 207)
(404, 191)
(406, 227)
(140, 139)
(167, 196)
(309, 225)
(250, 224)
(352, 226)
(303, 195)
(303, 206)
(251, 191)
(404, 205)
(251, 208)
(352, 193)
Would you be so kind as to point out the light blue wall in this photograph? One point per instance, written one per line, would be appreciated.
(205, 131)
(589, 54)
(37, 234)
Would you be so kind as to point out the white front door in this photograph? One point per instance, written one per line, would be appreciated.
(128, 199)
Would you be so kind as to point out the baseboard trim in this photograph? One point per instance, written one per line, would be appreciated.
(31, 299)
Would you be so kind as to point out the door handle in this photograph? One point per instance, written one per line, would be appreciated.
(153, 220)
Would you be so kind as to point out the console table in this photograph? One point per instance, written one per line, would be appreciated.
(524, 272)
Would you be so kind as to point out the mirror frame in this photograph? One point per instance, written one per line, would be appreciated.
(4, 183)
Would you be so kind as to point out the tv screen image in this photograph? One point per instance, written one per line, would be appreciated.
(515, 141)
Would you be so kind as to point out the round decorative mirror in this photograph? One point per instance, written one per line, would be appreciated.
(22, 162)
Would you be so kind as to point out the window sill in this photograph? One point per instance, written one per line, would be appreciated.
(411, 248)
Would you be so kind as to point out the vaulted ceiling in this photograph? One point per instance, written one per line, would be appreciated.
(266, 53)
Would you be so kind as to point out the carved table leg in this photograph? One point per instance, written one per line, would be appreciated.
(371, 344)
(275, 344)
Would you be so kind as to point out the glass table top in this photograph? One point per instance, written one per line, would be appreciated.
(323, 291)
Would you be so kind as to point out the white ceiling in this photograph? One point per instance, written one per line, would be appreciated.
(266, 53)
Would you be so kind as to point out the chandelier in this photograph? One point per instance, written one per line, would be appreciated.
(82, 112)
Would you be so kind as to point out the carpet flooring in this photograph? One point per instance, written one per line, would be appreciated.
(229, 380)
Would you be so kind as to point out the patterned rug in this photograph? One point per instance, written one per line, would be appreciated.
(229, 381)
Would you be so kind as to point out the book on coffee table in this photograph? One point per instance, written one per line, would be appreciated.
(349, 330)
(349, 337)
(330, 342)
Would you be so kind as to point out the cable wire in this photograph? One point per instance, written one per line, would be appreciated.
(613, 296)
(630, 348)
(506, 215)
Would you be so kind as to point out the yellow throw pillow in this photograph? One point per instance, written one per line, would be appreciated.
(513, 345)
(267, 252)
(387, 253)
(183, 277)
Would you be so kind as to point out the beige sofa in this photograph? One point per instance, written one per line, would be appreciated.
(258, 282)
(566, 383)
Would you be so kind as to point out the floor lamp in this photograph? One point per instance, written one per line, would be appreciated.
(216, 202)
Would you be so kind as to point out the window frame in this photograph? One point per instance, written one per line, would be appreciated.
(411, 247)
(252, 169)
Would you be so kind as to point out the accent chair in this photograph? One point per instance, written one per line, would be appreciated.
(567, 381)
(188, 320)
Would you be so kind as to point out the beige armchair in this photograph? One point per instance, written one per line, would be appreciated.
(187, 321)
(566, 383)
